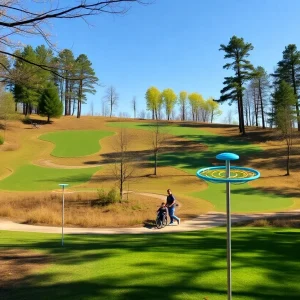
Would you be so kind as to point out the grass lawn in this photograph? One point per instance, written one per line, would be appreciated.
(34, 178)
(243, 198)
(188, 162)
(181, 266)
(75, 143)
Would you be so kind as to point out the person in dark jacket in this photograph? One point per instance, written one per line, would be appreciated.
(171, 207)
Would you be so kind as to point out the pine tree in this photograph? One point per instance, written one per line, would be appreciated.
(284, 116)
(49, 104)
(289, 71)
(238, 51)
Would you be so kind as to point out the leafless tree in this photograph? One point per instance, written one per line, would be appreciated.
(124, 166)
(159, 138)
(112, 97)
(32, 18)
(92, 108)
(134, 106)
(142, 114)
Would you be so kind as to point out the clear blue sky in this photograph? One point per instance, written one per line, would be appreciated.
(175, 44)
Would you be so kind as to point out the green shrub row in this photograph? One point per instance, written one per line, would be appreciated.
(106, 198)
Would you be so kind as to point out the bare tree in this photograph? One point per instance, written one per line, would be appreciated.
(31, 18)
(159, 135)
(142, 114)
(112, 98)
(134, 106)
(92, 108)
(123, 167)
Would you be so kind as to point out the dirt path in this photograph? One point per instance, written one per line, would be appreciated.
(209, 220)
(49, 164)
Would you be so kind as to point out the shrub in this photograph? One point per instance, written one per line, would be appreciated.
(1, 140)
(107, 198)
(27, 120)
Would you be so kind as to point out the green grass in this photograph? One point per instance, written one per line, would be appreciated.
(181, 266)
(191, 163)
(243, 198)
(75, 143)
(34, 178)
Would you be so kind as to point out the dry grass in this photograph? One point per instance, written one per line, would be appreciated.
(80, 211)
(286, 222)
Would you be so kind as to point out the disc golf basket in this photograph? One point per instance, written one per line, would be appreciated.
(227, 174)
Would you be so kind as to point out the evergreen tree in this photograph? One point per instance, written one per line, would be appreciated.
(289, 71)
(49, 104)
(284, 116)
(86, 80)
(238, 51)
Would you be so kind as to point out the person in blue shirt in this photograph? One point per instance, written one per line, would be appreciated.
(171, 207)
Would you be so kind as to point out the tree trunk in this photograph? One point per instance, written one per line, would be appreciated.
(261, 105)
(288, 161)
(155, 163)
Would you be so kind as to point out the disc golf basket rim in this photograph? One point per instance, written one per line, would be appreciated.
(228, 179)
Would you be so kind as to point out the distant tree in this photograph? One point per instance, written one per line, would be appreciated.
(134, 104)
(142, 114)
(289, 71)
(196, 102)
(86, 80)
(112, 98)
(7, 108)
(49, 104)
(213, 109)
(238, 51)
(168, 100)
(123, 168)
(284, 116)
(154, 102)
(159, 138)
(66, 68)
(183, 103)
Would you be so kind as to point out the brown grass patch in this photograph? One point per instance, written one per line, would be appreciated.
(286, 222)
(16, 265)
(81, 211)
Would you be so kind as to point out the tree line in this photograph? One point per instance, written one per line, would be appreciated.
(253, 89)
(74, 79)
(192, 106)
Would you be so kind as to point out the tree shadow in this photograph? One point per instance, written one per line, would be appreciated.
(143, 266)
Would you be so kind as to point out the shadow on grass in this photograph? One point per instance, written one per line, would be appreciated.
(187, 265)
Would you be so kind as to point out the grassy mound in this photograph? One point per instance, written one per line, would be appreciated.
(34, 178)
(75, 143)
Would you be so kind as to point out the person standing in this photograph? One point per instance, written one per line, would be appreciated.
(171, 207)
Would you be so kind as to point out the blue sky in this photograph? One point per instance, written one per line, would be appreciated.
(175, 44)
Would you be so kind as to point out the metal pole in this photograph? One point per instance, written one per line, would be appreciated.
(63, 213)
(229, 291)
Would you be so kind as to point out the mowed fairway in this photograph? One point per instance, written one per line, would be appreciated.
(35, 178)
(244, 198)
(181, 266)
(75, 143)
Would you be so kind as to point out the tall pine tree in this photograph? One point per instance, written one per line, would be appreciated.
(238, 51)
(289, 71)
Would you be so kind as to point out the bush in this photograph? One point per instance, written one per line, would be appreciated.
(1, 140)
(107, 198)
(27, 120)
